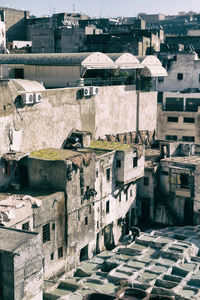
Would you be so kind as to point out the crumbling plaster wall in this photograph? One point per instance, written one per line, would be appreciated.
(52, 211)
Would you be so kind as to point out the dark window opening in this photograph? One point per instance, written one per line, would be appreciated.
(188, 138)
(171, 137)
(118, 163)
(189, 120)
(160, 78)
(86, 220)
(165, 173)
(108, 174)
(146, 181)
(107, 207)
(90, 209)
(97, 173)
(26, 226)
(126, 195)
(46, 233)
(19, 73)
(135, 162)
(84, 253)
(60, 252)
(184, 178)
(131, 193)
(180, 76)
(174, 104)
(172, 119)
(120, 197)
(53, 226)
(52, 256)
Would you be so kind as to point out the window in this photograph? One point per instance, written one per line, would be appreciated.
(60, 252)
(171, 137)
(146, 181)
(131, 193)
(46, 233)
(90, 209)
(86, 220)
(135, 162)
(174, 104)
(189, 120)
(126, 195)
(97, 173)
(108, 174)
(160, 78)
(107, 207)
(97, 224)
(188, 138)
(52, 256)
(120, 196)
(165, 173)
(180, 76)
(53, 226)
(172, 119)
(79, 215)
(184, 179)
(26, 226)
(118, 163)
(19, 73)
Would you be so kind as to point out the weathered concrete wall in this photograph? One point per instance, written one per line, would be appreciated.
(115, 109)
(187, 64)
(21, 268)
(47, 124)
(52, 212)
(147, 111)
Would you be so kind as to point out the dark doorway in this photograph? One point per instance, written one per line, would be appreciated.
(97, 244)
(127, 223)
(23, 177)
(188, 212)
(84, 253)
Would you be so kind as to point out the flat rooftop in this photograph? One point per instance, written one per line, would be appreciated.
(192, 160)
(53, 154)
(112, 146)
(11, 239)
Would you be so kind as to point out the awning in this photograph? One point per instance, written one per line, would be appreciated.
(153, 71)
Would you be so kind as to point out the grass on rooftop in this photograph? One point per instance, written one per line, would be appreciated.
(53, 154)
(110, 145)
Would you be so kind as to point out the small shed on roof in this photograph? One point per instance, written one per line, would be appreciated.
(125, 60)
(151, 66)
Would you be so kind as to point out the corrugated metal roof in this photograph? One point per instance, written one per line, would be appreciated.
(56, 59)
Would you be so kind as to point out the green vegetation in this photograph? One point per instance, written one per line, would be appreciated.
(53, 154)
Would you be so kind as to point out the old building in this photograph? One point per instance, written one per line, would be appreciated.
(15, 23)
(178, 117)
(183, 72)
(21, 271)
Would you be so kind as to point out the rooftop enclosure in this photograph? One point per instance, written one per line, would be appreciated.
(75, 69)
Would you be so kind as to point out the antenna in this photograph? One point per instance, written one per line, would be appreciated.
(73, 7)
(50, 7)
